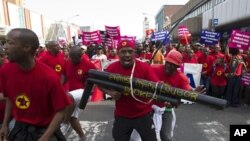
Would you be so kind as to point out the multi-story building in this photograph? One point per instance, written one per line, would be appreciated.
(163, 17)
(220, 15)
(13, 14)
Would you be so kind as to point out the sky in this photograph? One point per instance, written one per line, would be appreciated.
(128, 14)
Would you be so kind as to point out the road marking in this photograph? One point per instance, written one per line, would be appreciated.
(93, 130)
(214, 131)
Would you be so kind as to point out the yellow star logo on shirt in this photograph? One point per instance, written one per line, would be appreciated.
(79, 71)
(22, 102)
(219, 73)
(205, 65)
(124, 44)
(58, 68)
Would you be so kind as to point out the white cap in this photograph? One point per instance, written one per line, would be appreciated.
(197, 44)
(83, 47)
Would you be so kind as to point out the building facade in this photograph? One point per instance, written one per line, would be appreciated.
(13, 14)
(220, 15)
(163, 17)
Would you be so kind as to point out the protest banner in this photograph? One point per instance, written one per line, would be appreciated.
(240, 40)
(111, 43)
(209, 37)
(245, 79)
(93, 37)
(103, 36)
(130, 38)
(160, 36)
(193, 72)
(113, 32)
(184, 35)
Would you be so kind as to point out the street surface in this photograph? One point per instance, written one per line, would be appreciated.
(195, 122)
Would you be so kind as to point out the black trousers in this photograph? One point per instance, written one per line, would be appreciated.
(123, 127)
(28, 132)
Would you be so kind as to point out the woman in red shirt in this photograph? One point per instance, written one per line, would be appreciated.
(218, 77)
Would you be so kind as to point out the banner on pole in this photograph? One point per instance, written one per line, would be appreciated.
(160, 36)
(91, 38)
(240, 40)
(245, 79)
(193, 72)
(113, 32)
(111, 43)
(209, 37)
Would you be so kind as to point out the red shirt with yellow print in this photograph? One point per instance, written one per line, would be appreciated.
(218, 77)
(77, 74)
(56, 62)
(127, 106)
(36, 95)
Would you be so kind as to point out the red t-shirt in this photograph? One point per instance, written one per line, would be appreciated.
(199, 55)
(144, 55)
(2, 103)
(36, 95)
(56, 62)
(85, 56)
(40, 54)
(76, 74)
(187, 59)
(218, 78)
(210, 62)
(177, 80)
(205, 63)
(127, 106)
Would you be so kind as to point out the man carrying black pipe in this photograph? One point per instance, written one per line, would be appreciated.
(169, 74)
(131, 112)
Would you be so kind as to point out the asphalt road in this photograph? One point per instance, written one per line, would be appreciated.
(195, 122)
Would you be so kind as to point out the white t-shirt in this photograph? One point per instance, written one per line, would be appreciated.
(101, 57)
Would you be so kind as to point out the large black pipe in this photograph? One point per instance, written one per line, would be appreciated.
(124, 90)
(163, 89)
(86, 93)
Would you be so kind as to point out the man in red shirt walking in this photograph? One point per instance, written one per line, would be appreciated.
(34, 94)
(54, 58)
(76, 74)
(131, 112)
